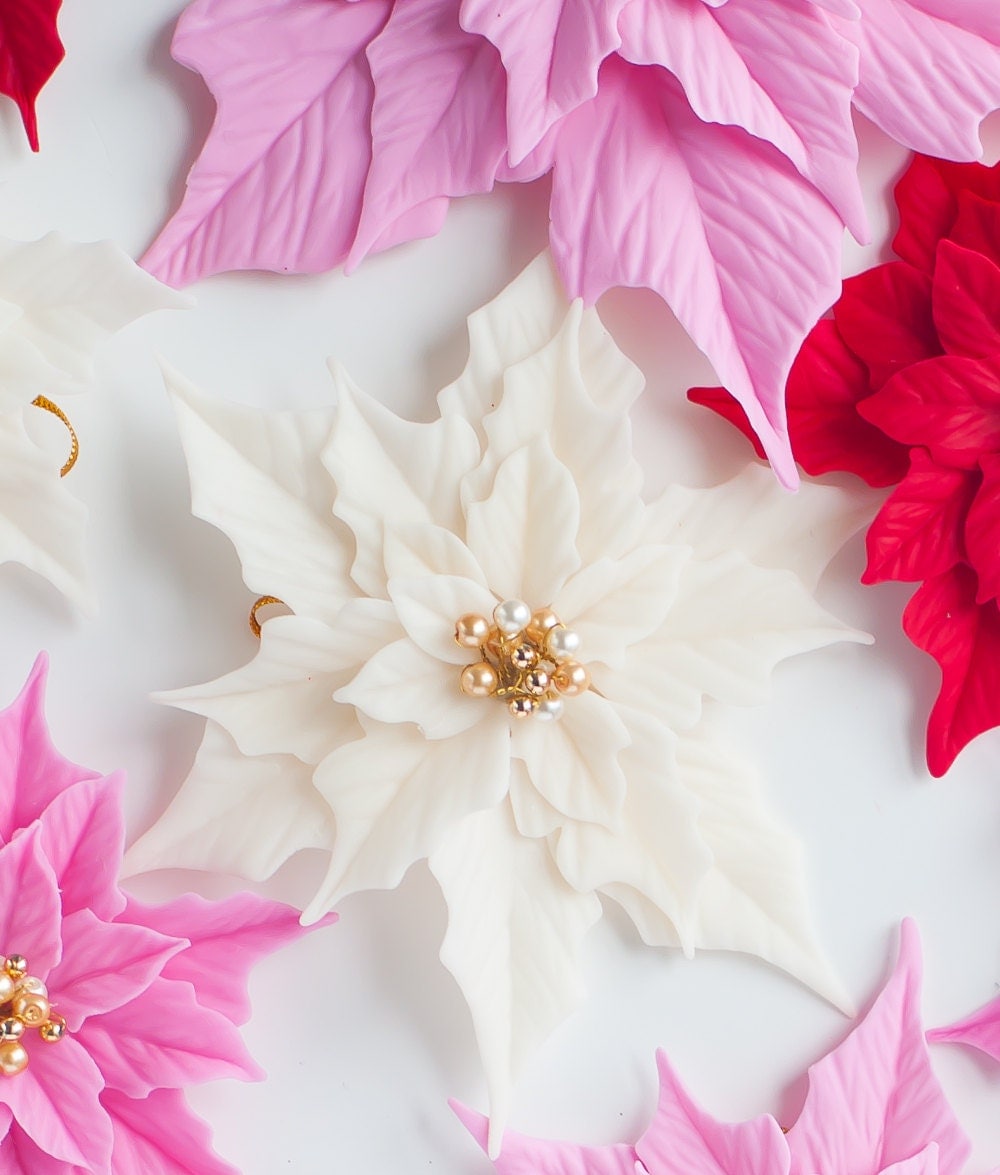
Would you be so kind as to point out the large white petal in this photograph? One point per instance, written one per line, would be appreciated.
(282, 701)
(800, 532)
(523, 535)
(658, 849)
(258, 479)
(513, 943)
(574, 763)
(429, 605)
(236, 815)
(424, 549)
(614, 603)
(395, 796)
(41, 523)
(392, 472)
(533, 815)
(402, 683)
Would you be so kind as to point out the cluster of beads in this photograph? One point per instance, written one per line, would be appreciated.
(527, 660)
(24, 1005)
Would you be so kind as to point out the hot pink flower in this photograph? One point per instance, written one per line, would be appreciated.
(138, 1001)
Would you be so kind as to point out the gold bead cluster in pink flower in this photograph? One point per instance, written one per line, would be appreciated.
(24, 1004)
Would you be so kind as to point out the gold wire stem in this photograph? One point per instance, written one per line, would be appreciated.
(74, 450)
(261, 602)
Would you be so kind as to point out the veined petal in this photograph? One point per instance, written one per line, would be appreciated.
(424, 549)
(429, 605)
(31, 925)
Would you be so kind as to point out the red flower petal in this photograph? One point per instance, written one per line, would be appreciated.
(724, 405)
(918, 532)
(977, 226)
(950, 405)
(30, 50)
(927, 199)
(982, 532)
(966, 300)
(885, 317)
(945, 621)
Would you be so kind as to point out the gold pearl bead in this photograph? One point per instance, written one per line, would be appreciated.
(541, 621)
(33, 1009)
(33, 984)
(479, 680)
(471, 630)
(11, 1028)
(523, 656)
(16, 966)
(522, 707)
(571, 678)
(53, 1031)
(536, 682)
(13, 1058)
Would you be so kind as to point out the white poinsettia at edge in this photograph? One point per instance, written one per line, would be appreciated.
(349, 730)
(59, 300)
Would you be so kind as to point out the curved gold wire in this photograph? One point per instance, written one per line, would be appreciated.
(74, 449)
(261, 602)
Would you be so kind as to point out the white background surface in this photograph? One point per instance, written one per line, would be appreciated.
(363, 1033)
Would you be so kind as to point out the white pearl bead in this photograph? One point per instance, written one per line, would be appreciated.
(549, 709)
(6, 987)
(563, 643)
(512, 616)
(33, 985)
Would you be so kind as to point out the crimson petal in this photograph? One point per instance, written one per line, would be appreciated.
(966, 299)
(982, 531)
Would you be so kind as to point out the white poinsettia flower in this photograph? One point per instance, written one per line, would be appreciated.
(59, 300)
(497, 660)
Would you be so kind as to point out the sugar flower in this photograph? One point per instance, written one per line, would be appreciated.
(902, 388)
(30, 52)
(874, 1107)
(703, 150)
(59, 301)
(980, 1031)
(496, 660)
(109, 1007)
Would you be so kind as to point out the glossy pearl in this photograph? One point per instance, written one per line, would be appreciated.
(522, 707)
(7, 986)
(536, 682)
(512, 616)
(32, 1009)
(549, 709)
(542, 620)
(11, 1028)
(563, 643)
(33, 984)
(571, 679)
(479, 680)
(16, 966)
(13, 1058)
(53, 1032)
(523, 657)
(471, 630)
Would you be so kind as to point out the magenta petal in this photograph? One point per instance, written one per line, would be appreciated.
(55, 1101)
(164, 1038)
(105, 965)
(682, 1138)
(874, 1100)
(29, 925)
(227, 939)
(83, 837)
(20, 1156)
(34, 773)
(981, 1030)
(159, 1135)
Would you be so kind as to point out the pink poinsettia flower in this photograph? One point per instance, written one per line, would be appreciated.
(703, 150)
(109, 1007)
(980, 1031)
(874, 1107)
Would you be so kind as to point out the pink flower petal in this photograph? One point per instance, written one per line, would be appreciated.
(31, 925)
(158, 1135)
(20, 1156)
(981, 1030)
(746, 253)
(278, 185)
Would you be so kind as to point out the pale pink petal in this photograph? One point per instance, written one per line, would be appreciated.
(31, 925)
(279, 182)
(981, 1030)
(20, 1156)
(926, 1163)
(437, 125)
(83, 837)
(683, 1139)
(520, 1155)
(228, 938)
(158, 1135)
(930, 71)
(777, 68)
(744, 250)
(874, 1100)
(165, 1039)
(34, 772)
(551, 51)
(55, 1102)
(105, 964)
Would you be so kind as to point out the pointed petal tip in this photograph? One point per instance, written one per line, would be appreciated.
(477, 1124)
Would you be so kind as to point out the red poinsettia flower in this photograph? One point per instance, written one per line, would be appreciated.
(902, 388)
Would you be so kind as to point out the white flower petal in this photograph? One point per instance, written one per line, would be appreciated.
(258, 479)
(391, 473)
(429, 605)
(402, 683)
(513, 942)
(533, 816)
(424, 549)
(235, 814)
(574, 763)
(523, 534)
(282, 701)
(395, 795)
(614, 603)
(658, 849)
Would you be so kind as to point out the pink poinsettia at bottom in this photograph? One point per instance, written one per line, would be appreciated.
(109, 1007)
(874, 1107)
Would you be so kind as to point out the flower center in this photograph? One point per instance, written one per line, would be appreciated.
(527, 660)
(24, 1005)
